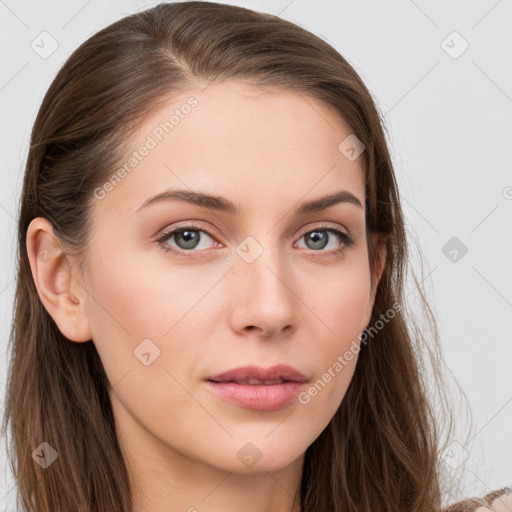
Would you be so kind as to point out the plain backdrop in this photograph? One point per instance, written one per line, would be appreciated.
(441, 74)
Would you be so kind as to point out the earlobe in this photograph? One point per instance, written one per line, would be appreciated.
(59, 290)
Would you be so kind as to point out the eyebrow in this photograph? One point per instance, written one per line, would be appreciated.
(224, 205)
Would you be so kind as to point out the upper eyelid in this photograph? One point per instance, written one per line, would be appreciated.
(325, 225)
(191, 225)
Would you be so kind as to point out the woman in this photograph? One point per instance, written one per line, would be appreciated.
(210, 311)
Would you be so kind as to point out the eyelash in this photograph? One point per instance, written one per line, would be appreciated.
(347, 241)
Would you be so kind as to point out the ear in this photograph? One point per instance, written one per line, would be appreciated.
(379, 243)
(63, 296)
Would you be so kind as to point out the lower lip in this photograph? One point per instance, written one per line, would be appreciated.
(258, 398)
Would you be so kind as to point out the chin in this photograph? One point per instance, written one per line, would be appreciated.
(259, 455)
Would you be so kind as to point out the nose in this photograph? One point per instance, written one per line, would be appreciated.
(264, 298)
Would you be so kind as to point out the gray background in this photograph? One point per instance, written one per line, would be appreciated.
(448, 113)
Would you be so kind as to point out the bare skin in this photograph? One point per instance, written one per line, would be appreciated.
(208, 309)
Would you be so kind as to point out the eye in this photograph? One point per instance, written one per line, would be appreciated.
(187, 239)
(318, 238)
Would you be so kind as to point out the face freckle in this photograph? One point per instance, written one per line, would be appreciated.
(164, 321)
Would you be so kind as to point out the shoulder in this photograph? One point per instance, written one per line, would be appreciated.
(496, 501)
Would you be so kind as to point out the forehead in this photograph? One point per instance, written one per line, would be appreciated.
(235, 139)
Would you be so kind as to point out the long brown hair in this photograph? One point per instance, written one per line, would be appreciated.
(380, 451)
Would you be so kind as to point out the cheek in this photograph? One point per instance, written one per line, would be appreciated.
(138, 316)
(129, 303)
(174, 307)
(340, 301)
(138, 299)
(340, 311)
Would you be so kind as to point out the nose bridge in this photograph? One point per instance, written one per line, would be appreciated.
(264, 261)
(265, 296)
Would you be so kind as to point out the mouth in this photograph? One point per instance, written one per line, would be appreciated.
(253, 382)
(257, 388)
(257, 375)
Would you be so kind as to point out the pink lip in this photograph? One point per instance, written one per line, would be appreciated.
(263, 397)
(280, 371)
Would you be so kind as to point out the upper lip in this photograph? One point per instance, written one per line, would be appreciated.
(274, 373)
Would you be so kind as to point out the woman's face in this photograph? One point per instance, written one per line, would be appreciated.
(268, 284)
